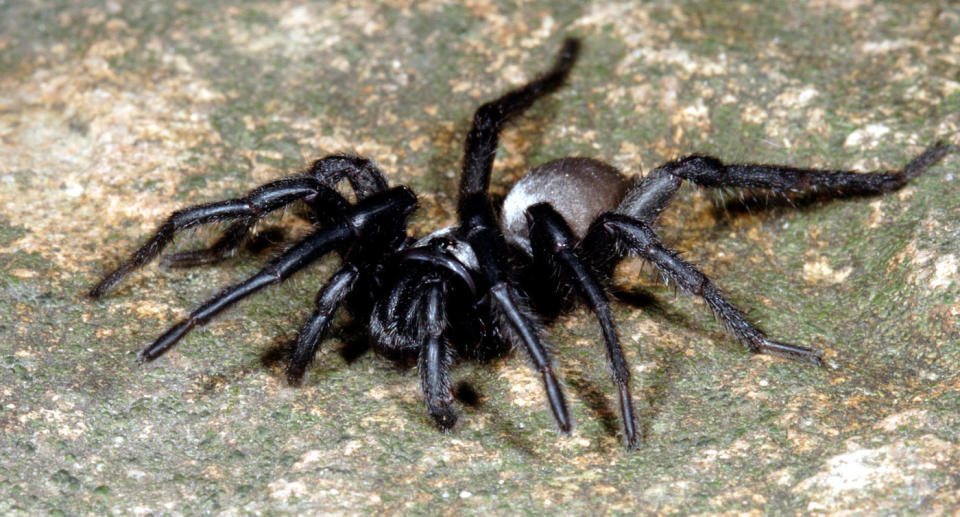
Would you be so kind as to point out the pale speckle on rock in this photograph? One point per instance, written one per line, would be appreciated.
(945, 271)
(903, 418)
(283, 489)
(867, 137)
(819, 270)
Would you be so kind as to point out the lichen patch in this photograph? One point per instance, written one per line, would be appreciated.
(944, 272)
(820, 271)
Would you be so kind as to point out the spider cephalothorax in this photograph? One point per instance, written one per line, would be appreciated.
(477, 288)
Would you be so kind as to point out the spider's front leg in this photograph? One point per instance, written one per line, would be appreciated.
(231, 239)
(360, 265)
(635, 236)
(325, 173)
(412, 317)
(479, 226)
(264, 199)
(364, 177)
(392, 205)
(311, 333)
(435, 359)
(554, 244)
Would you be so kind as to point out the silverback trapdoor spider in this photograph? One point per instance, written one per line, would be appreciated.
(481, 286)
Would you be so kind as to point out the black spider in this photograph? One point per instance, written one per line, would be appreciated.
(476, 288)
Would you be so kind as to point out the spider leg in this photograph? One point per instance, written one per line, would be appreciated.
(314, 246)
(479, 225)
(550, 235)
(649, 196)
(395, 204)
(412, 317)
(711, 172)
(637, 237)
(516, 323)
(254, 205)
(359, 265)
(229, 241)
(311, 333)
(365, 178)
(435, 361)
(489, 119)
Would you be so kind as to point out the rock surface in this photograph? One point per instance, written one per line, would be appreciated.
(114, 114)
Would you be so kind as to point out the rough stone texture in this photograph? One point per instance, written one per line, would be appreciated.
(114, 114)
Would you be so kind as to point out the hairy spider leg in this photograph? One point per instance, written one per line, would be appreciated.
(655, 191)
(479, 225)
(392, 204)
(644, 201)
(551, 236)
(315, 327)
(637, 237)
(489, 119)
(516, 322)
(257, 203)
(364, 177)
(359, 265)
(435, 358)
(412, 316)
(232, 238)
(630, 224)
(387, 309)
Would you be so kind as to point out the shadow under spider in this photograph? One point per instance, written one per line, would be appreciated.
(649, 304)
(598, 403)
(472, 403)
(350, 333)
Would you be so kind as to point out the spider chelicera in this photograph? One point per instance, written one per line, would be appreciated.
(478, 288)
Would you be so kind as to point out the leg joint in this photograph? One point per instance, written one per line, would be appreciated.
(703, 170)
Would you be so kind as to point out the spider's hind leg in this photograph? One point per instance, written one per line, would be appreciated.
(649, 196)
(637, 237)
(711, 172)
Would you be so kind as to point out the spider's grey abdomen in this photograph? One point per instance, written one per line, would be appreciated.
(579, 189)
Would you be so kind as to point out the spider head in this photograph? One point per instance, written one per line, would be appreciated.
(440, 261)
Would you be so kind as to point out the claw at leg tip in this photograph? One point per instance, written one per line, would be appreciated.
(444, 417)
(294, 377)
(817, 360)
